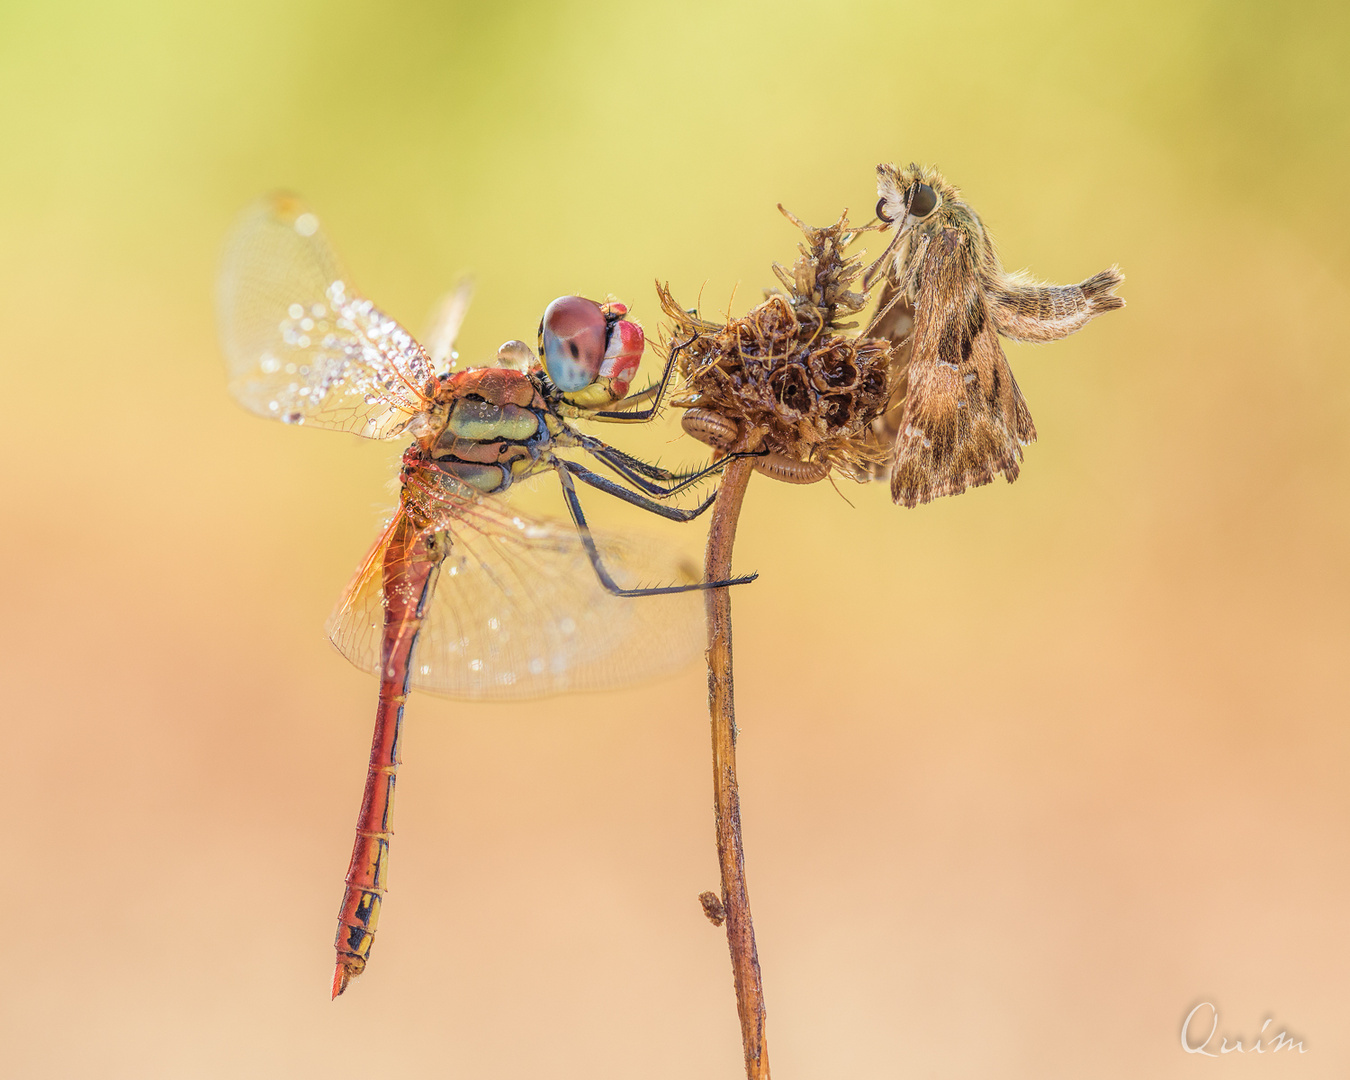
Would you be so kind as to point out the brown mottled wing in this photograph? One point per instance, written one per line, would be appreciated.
(965, 420)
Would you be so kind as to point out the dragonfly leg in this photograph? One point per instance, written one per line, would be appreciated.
(609, 487)
(654, 393)
(565, 470)
(641, 397)
(641, 473)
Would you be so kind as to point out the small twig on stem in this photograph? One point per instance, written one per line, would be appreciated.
(730, 855)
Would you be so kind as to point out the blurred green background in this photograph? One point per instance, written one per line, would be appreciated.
(1026, 774)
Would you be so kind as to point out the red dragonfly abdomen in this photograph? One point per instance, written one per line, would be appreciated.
(411, 562)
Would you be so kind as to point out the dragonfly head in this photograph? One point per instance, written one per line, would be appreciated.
(590, 351)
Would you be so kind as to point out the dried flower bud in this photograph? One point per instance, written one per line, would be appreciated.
(784, 377)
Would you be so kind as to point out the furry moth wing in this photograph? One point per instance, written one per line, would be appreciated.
(964, 419)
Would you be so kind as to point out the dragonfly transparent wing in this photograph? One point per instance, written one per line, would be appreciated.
(517, 610)
(446, 321)
(301, 346)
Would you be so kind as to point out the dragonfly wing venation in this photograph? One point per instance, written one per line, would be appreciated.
(301, 345)
(518, 611)
(446, 321)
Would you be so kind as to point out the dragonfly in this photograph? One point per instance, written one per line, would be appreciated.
(459, 595)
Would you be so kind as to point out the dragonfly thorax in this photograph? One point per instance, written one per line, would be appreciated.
(496, 427)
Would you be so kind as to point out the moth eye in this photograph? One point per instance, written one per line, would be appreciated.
(922, 200)
(881, 211)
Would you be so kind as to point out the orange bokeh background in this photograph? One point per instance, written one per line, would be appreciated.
(1026, 774)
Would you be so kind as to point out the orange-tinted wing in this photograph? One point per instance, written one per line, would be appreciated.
(965, 420)
(302, 347)
(517, 610)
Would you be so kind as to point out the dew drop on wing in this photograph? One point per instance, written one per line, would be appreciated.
(296, 311)
(294, 418)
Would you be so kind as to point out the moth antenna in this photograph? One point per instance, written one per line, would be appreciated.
(901, 285)
(869, 275)
(881, 314)
(902, 231)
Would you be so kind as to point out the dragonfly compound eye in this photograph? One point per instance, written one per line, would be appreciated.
(572, 341)
(922, 200)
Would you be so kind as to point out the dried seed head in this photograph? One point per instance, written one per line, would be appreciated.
(785, 377)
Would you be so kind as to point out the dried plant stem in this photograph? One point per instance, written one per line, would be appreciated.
(721, 706)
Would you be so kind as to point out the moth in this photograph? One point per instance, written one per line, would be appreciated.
(956, 416)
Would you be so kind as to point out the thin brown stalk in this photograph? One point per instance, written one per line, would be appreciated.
(721, 706)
